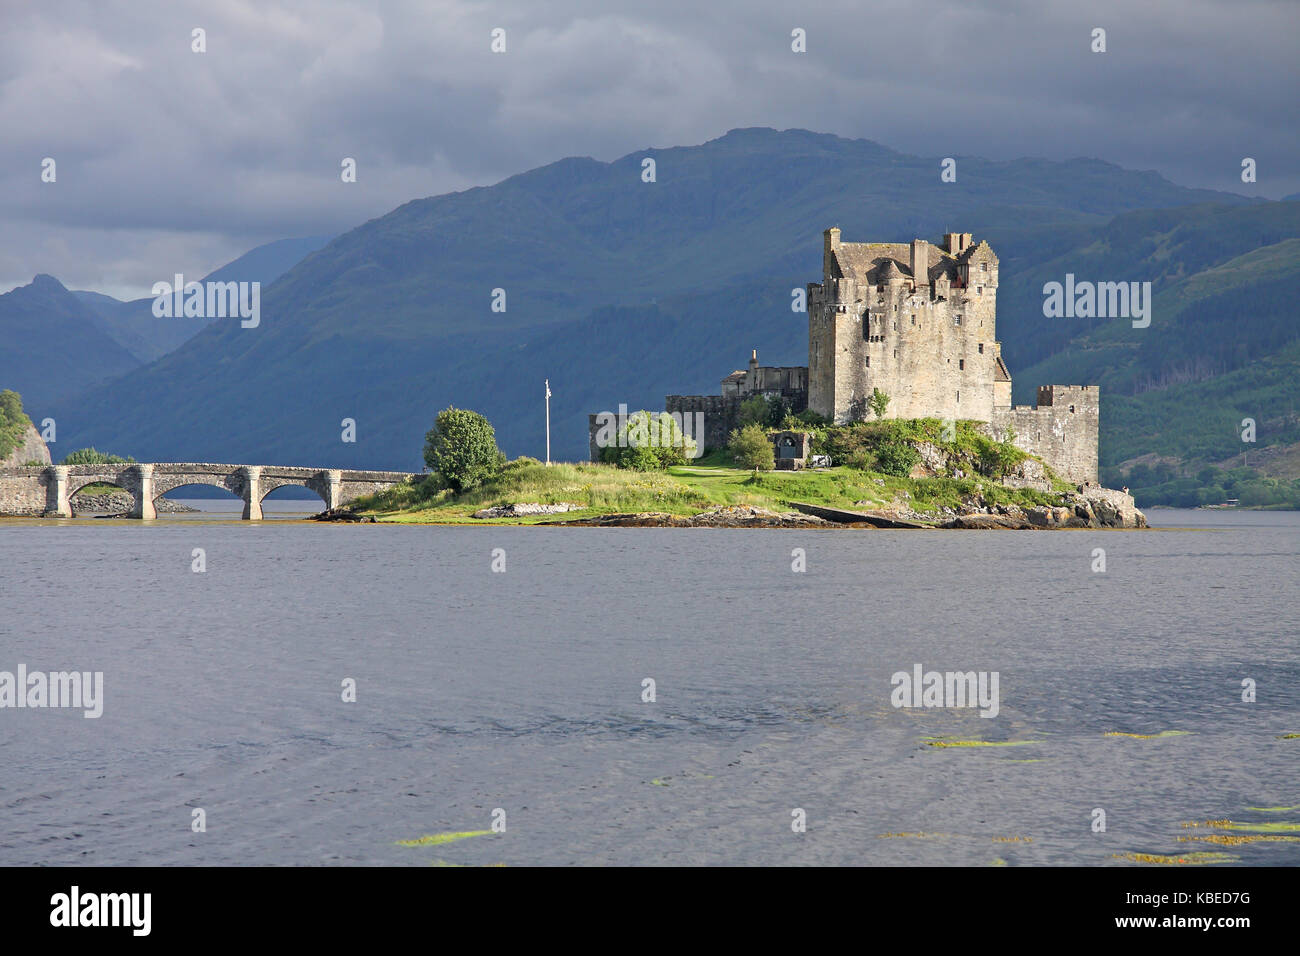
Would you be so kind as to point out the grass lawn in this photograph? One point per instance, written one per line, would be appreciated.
(682, 490)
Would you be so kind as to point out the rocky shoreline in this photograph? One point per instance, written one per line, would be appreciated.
(736, 516)
(1090, 507)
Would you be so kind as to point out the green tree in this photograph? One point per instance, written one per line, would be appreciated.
(751, 449)
(777, 409)
(462, 447)
(752, 411)
(878, 402)
(649, 442)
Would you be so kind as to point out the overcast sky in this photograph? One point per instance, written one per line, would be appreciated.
(174, 161)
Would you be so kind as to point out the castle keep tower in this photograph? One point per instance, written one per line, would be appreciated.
(919, 322)
(916, 321)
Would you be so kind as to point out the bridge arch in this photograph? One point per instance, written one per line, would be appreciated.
(273, 484)
(165, 481)
(226, 494)
(74, 501)
(119, 477)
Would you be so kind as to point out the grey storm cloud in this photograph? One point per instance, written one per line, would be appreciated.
(174, 161)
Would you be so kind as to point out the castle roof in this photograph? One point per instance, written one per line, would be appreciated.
(876, 262)
(1000, 373)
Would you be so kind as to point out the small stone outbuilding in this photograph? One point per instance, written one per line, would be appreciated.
(791, 449)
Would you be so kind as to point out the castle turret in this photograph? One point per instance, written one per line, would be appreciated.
(893, 277)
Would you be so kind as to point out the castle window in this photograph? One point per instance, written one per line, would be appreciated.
(1071, 409)
(981, 348)
(895, 326)
(984, 267)
(895, 353)
(914, 320)
(956, 320)
(979, 290)
(868, 361)
(961, 363)
(959, 397)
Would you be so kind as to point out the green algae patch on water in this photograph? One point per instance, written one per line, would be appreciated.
(1199, 858)
(1273, 809)
(441, 863)
(1228, 839)
(435, 839)
(913, 836)
(941, 742)
(1272, 827)
(1289, 737)
(1163, 733)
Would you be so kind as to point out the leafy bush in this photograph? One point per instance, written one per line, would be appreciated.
(90, 456)
(995, 459)
(523, 461)
(804, 421)
(751, 449)
(878, 402)
(897, 458)
(462, 447)
(861, 459)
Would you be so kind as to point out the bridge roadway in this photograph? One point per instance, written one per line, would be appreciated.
(47, 490)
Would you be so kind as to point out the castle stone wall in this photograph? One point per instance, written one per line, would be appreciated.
(719, 415)
(1062, 429)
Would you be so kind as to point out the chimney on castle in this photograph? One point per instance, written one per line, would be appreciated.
(753, 360)
(830, 243)
(921, 264)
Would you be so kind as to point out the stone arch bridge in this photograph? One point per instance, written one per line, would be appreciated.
(47, 490)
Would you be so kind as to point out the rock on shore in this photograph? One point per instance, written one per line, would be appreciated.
(522, 510)
(1090, 507)
(342, 514)
(736, 516)
(31, 448)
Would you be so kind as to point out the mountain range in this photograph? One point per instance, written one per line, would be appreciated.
(621, 291)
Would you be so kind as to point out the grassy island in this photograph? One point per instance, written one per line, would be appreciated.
(967, 466)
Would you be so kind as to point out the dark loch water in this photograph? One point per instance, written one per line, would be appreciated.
(523, 691)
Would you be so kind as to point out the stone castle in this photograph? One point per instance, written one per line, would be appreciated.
(918, 322)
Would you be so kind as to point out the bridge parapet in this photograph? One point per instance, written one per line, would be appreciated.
(49, 489)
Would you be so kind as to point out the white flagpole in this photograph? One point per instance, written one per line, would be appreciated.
(548, 421)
